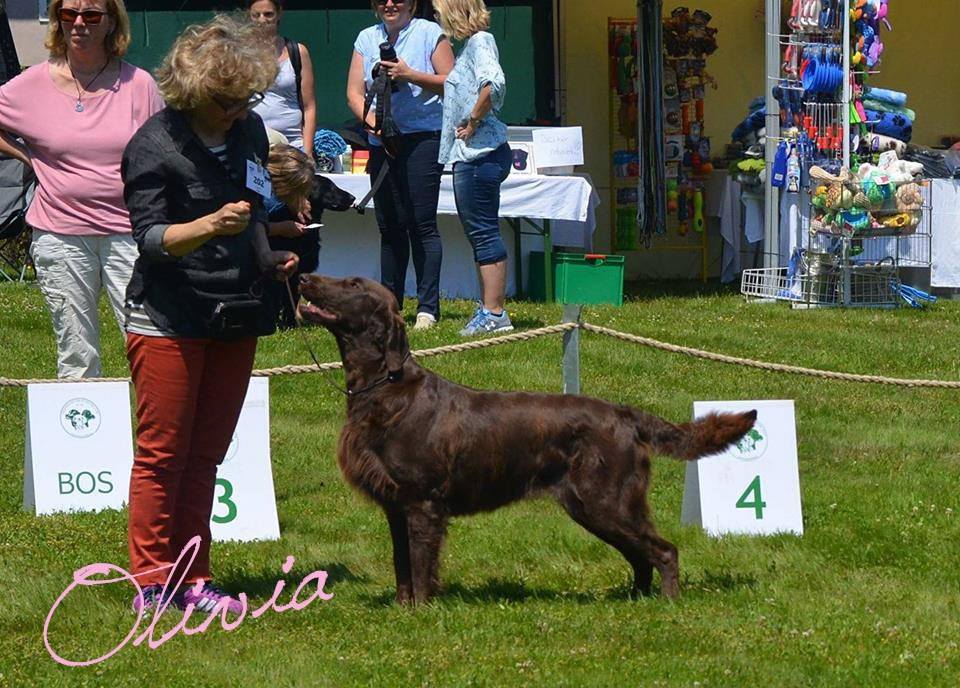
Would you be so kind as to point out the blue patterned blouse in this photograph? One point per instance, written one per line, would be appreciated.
(477, 65)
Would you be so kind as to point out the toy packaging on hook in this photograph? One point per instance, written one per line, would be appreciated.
(688, 39)
(624, 125)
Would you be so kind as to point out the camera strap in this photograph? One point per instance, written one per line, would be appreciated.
(384, 128)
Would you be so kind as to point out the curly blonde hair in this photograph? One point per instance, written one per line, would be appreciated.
(461, 19)
(115, 43)
(291, 174)
(224, 57)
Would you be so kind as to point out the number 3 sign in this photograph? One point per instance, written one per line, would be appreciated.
(753, 487)
(244, 505)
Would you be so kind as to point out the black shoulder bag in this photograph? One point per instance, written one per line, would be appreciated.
(293, 53)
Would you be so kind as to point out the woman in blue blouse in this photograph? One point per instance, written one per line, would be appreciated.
(406, 203)
(475, 141)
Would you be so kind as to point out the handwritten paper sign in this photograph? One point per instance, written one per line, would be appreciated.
(558, 147)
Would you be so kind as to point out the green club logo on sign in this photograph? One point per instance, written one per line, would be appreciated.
(80, 418)
(753, 445)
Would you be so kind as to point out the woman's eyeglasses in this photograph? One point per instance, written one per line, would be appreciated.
(383, 3)
(92, 17)
(233, 107)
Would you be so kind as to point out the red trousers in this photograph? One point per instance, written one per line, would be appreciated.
(189, 396)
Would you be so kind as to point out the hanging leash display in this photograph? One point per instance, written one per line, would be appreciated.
(652, 205)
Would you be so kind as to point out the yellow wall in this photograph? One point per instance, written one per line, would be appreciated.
(920, 60)
(738, 66)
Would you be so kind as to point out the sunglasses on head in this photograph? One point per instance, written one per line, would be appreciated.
(232, 107)
(69, 16)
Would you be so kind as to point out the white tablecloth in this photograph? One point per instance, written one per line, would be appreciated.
(945, 227)
(351, 242)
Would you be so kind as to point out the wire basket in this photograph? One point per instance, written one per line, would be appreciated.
(874, 286)
(779, 284)
(869, 286)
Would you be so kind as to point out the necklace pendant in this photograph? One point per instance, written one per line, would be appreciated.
(78, 107)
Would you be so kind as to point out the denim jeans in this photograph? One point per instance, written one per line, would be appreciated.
(406, 208)
(476, 189)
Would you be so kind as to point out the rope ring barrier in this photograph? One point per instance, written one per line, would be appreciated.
(561, 328)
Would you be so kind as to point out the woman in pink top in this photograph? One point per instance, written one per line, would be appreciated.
(75, 114)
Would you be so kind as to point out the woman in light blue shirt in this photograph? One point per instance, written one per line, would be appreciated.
(475, 141)
(406, 202)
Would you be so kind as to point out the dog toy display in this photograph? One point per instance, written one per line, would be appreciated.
(624, 128)
(874, 202)
(879, 112)
(687, 40)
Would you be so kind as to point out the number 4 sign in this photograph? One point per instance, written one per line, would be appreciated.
(753, 487)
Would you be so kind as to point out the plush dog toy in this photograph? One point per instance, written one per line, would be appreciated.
(909, 197)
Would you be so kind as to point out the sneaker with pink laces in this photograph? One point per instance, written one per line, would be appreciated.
(208, 598)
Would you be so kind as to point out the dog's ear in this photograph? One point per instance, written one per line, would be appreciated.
(397, 349)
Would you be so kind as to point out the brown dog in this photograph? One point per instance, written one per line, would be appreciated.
(426, 449)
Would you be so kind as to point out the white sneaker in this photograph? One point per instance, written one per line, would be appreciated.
(424, 321)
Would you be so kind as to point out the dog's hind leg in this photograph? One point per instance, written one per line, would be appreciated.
(426, 528)
(664, 556)
(401, 552)
(632, 534)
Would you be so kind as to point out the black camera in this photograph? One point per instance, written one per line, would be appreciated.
(387, 54)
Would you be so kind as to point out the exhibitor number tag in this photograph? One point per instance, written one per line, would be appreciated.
(258, 179)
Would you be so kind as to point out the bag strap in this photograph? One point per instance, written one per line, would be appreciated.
(361, 205)
(293, 53)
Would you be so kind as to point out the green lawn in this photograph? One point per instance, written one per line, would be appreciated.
(867, 597)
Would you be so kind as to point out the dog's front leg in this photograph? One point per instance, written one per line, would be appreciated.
(401, 552)
(427, 526)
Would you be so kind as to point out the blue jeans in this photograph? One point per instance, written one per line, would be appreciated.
(476, 189)
(406, 208)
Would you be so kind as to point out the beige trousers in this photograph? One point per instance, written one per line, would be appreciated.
(71, 270)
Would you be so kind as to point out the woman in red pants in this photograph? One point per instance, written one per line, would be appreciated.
(196, 303)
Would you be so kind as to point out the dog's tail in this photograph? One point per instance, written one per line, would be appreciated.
(690, 441)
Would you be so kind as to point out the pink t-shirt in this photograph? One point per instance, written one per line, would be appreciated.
(76, 155)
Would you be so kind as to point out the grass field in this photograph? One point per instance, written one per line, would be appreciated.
(867, 597)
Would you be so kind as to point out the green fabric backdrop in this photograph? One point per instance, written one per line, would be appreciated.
(522, 29)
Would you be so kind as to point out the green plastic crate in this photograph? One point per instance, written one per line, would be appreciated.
(579, 278)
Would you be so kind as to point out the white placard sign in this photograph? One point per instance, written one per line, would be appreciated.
(754, 486)
(558, 146)
(244, 505)
(79, 447)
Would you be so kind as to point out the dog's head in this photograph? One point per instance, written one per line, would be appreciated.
(326, 195)
(360, 313)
